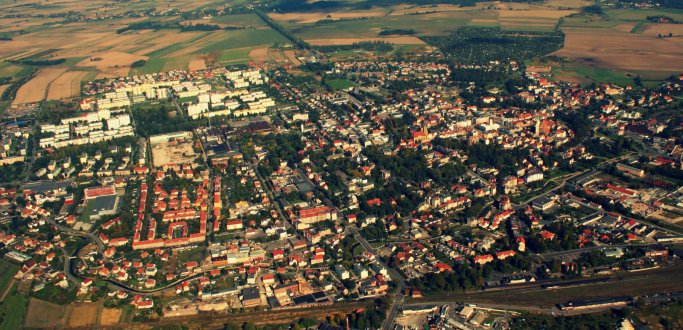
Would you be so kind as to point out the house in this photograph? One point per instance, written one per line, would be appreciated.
(250, 297)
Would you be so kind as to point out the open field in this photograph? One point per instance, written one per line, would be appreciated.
(348, 41)
(606, 48)
(7, 271)
(36, 89)
(654, 30)
(12, 309)
(83, 315)
(334, 15)
(43, 314)
(259, 54)
(109, 316)
(67, 85)
(196, 64)
(234, 56)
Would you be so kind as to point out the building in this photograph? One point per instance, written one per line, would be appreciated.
(630, 170)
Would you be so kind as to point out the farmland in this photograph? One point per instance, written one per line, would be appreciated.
(93, 49)
(621, 40)
(613, 47)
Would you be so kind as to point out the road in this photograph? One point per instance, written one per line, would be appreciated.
(73, 232)
(597, 247)
(398, 301)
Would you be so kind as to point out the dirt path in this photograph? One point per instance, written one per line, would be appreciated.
(7, 289)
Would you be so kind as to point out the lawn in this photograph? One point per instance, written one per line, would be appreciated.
(12, 310)
(339, 84)
(193, 254)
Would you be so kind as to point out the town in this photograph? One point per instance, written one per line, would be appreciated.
(259, 188)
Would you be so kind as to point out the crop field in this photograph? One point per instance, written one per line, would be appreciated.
(67, 85)
(36, 89)
(620, 40)
(611, 49)
(97, 49)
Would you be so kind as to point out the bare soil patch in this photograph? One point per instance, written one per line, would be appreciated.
(291, 56)
(110, 316)
(259, 54)
(196, 64)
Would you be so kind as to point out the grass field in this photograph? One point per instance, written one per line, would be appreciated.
(234, 56)
(153, 64)
(242, 39)
(239, 20)
(339, 84)
(7, 271)
(12, 310)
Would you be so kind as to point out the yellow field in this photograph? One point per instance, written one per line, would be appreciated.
(35, 89)
(664, 29)
(67, 85)
(110, 316)
(197, 64)
(83, 315)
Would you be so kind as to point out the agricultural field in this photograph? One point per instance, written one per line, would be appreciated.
(93, 49)
(613, 47)
(620, 41)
